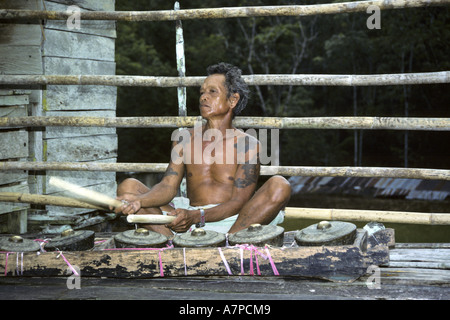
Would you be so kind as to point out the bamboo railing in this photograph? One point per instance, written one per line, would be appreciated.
(221, 13)
(369, 215)
(273, 79)
(38, 199)
(366, 172)
(291, 212)
(391, 123)
(369, 123)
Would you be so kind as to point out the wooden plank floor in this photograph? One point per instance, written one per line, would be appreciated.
(415, 272)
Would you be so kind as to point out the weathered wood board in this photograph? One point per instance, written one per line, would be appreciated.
(20, 59)
(20, 34)
(6, 207)
(94, 27)
(14, 100)
(22, 4)
(48, 48)
(332, 263)
(78, 45)
(335, 263)
(8, 177)
(82, 148)
(14, 144)
(87, 4)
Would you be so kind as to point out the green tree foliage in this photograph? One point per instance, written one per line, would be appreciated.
(410, 40)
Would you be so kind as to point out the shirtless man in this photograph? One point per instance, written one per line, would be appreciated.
(229, 184)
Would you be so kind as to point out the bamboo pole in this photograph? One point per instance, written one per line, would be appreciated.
(291, 212)
(181, 67)
(270, 79)
(371, 123)
(364, 172)
(369, 215)
(221, 13)
(367, 172)
(46, 200)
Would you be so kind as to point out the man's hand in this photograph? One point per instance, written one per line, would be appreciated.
(131, 204)
(184, 219)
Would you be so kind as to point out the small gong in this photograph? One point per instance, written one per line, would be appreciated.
(327, 233)
(18, 244)
(259, 235)
(140, 238)
(200, 238)
(70, 240)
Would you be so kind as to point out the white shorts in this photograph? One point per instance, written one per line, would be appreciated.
(222, 226)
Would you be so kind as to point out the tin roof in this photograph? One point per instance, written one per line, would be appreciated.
(376, 187)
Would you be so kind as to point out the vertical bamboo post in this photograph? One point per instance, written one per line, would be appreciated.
(179, 47)
(180, 64)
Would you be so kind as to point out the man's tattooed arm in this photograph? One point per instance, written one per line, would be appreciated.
(251, 172)
(170, 172)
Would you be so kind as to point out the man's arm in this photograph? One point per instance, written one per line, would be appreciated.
(161, 194)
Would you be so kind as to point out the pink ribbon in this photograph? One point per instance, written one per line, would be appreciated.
(253, 251)
(225, 262)
(17, 262)
(68, 263)
(274, 268)
(6, 261)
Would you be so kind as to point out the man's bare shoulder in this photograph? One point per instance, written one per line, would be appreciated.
(244, 137)
(182, 135)
(247, 147)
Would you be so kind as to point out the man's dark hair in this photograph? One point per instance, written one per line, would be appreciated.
(233, 82)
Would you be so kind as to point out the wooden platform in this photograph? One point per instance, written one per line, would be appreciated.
(343, 263)
(414, 271)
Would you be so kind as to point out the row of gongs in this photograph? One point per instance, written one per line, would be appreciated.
(323, 233)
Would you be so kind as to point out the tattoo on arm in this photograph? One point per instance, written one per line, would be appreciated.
(170, 172)
(250, 176)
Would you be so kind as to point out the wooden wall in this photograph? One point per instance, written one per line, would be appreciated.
(51, 47)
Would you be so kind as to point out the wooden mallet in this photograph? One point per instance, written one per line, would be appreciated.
(98, 198)
(150, 218)
(87, 195)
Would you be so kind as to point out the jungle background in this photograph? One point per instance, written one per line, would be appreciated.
(410, 40)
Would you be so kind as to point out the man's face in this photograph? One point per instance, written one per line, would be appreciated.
(213, 97)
